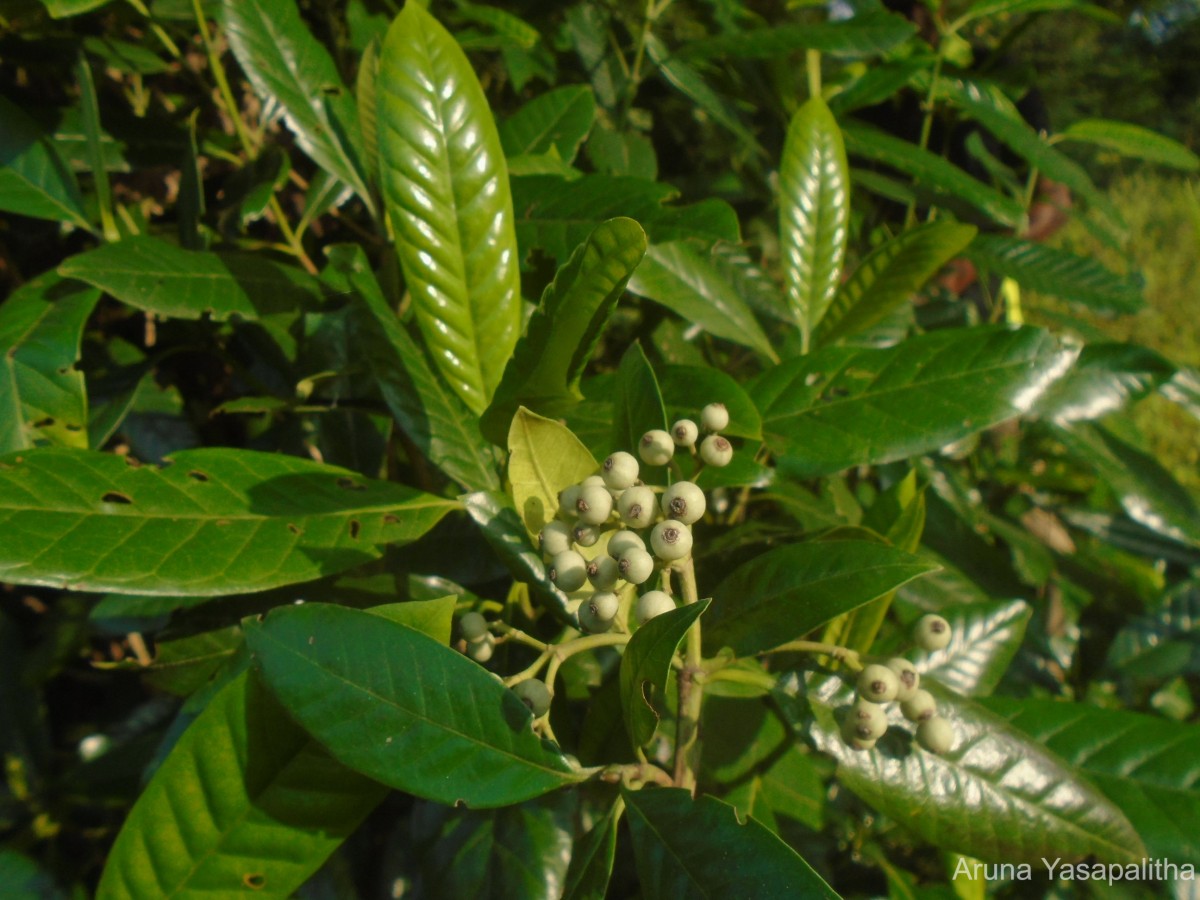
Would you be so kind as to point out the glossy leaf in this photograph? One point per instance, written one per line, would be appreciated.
(984, 639)
(434, 617)
(786, 592)
(398, 706)
(1163, 643)
(814, 211)
(559, 119)
(889, 276)
(544, 459)
(42, 394)
(447, 191)
(245, 801)
(688, 389)
(34, 179)
(684, 281)
(549, 360)
(592, 857)
(1050, 270)
(215, 521)
(686, 848)
(1105, 378)
(432, 416)
(288, 66)
(646, 664)
(842, 406)
(869, 34)
(637, 401)
(1148, 766)
(996, 795)
(1132, 141)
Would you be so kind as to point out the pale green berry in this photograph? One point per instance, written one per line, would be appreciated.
(555, 538)
(567, 498)
(714, 417)
(624, 540)
(656, 448)
(716, 451)
(481, 651)
(919, 707)
(851, 736)
(651, 604)
(594, 505)
(534, 694)
(910, 678)
(568, 571)
(867, 721)
(473, 626)
(878, 684)
(935, 734)
(593, 480)
(931, 632)
(671, 540)
(598, 612)
(602, 573)
(635, 565)
(620, 470)
(637, 506)
(684, 433)
(684, 502)
(585, 535)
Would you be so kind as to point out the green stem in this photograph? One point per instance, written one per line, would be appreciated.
(742, 676)
(691, 690)
(812, 62)
(910, 215)
(163, 37)
(850, 657)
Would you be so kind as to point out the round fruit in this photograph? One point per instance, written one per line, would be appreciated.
(910, 678)
(637, 506)
(684, 433)
(555, 538)
(568, 571)
(716, 451)
(635, 565)
(594, 505)
(714, 417)
(481, 651)
(684, 502)
(671, 540)
(931, 632)
(585, 535)
(651, 604)
(567, 498)
(473, 626)
(602, 573)
(624, 540)
(867, 721)
(935, 734)
(598, 612)
(878, 684)
(919, 707)
(534, 694)
(850, 736)
(656, 448)
(620, 470)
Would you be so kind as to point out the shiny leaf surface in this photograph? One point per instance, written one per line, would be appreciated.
(984, 637)
(1164, 642)
(1105, 378)
(646, 663)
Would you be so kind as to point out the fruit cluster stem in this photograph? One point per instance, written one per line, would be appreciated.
(691, 690)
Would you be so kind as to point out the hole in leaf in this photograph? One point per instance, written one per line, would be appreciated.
(197, 475)
(355, 528)
(116, 497)
(293, 528)
(44, 423)
(389, 519)
(71, 426)
(256, 881)
(350, 484)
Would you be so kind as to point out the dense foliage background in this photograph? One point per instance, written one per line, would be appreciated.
(302, 303)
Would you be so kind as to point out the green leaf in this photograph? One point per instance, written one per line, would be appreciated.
(687, 848)
(890, 275)
(990, 8)
(289, 67)
(433, 617)
(366, 99)
(183, 666)
(63, 9)
(559, 119)
(814, 212)
(1049, 270)
(842, 407)
(34, 179)
(90, 113)
(431, 415)
(159, 277)
(214, 521)
(984, 639)
(1132, 141)
(637, 401)
(448, 197)
(549, 360)
(996, 795)
(1147, 766)
(688, 389)
(42, 394)
(932, 171)
(396, 705)
(24, 879)
(787, 592)
(244, 802)
(592, 857)
(646, 664)
(869, 34)
(622, 152)
(544, 459)
(1163, 643)
(1106, 378)
(875, 85)
(681, 279)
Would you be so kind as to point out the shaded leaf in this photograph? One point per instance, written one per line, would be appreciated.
(592, 857)
(1163, 643)
(984, 638)
(1105, 378)
(183, 666)
(688, 389)
(34, 179)
(559, 119)
(544, 459)
(1132, 141)
(868, 34)
(646, 664)
(637, 401)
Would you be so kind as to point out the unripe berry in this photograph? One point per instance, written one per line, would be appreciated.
(593, 480)
(568, 571)
(567, 498)
(714, 417)
(481, 651)
(878, 684)
(651, 604)
(935, 734)
(867, 721)
(555, 538)
(656, 448)
(684, 502)
(620, 470)
(910, 678)
(716, 451)
(534, 694)
(671, 540)
(594, 505)
(602, 573)
(919, 707)
(585, 535)
(598, 612)
(473, 626)
(624, 540)
(931, 632)
(684, 433)
(850, 736)
(635, 565)
(637, 506)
